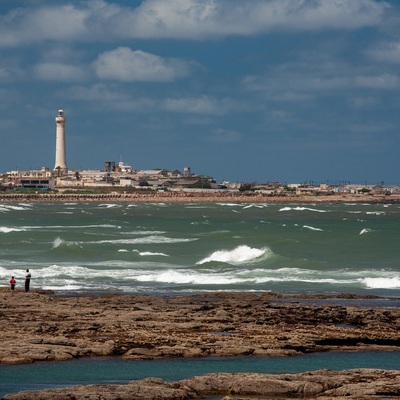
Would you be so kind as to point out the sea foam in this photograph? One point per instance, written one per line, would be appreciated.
(382, 283)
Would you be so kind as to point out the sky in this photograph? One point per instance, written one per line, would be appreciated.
(241, 90)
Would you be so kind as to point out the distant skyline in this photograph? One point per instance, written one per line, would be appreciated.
(242, 90)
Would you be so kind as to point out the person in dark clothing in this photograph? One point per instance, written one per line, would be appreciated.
(12, 283)
(27, 280)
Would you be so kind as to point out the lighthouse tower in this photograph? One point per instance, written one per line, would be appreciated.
(61, 165)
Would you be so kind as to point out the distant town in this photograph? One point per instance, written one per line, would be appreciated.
(122, 177)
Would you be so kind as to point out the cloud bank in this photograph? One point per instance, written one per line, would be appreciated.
(96, 20)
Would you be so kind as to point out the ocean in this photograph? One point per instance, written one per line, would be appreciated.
(161, 249)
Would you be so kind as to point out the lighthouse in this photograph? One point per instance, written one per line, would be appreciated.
(61, 164)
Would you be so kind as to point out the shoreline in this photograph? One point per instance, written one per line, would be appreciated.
(194, 197)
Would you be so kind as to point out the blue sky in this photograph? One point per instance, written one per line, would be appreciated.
(242, 90)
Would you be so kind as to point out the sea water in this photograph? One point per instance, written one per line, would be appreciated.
(192, 248)
(163, 249)
(115, 370)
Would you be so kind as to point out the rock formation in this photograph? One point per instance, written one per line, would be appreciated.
(37, 326)
(322, 384)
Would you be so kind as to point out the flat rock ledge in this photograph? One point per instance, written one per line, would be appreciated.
(47, 327)
(321, 384)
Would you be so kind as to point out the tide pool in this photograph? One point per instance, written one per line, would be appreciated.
(115, 370)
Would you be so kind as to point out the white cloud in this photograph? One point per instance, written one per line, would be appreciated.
(26, 25)
(225, 136)
(123, 64)
(303, 81)
(201, 105)
(59, 72)
(98, 93)
(363, 102)
(98, 20)
(389, 52)
(7, 74)
(109, 96)
(197, 19)
(384, 81)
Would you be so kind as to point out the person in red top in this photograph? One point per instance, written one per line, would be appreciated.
(12, 283)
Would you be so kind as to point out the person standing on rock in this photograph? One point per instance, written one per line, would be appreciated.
(27, 280)
(12, 283)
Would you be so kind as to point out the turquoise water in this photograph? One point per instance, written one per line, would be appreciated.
(163, 248)
(116, 370)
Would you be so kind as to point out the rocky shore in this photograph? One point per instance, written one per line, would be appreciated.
(41, 326)
(47, 327)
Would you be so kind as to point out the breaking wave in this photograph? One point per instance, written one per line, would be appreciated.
(239, 255)
(58, 242)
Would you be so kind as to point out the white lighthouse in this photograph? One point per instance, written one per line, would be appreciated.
(61, 164)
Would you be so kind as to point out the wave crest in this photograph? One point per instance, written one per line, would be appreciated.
(239, 255)
(58, 242)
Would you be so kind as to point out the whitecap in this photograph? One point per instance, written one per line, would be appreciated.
(382, 283)
(311, 228)
(303, 209)
(187, 277)
(4, 229)
(365, 230)
(240, 254)
(150, 253)
(145, 240)
(57, 242)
